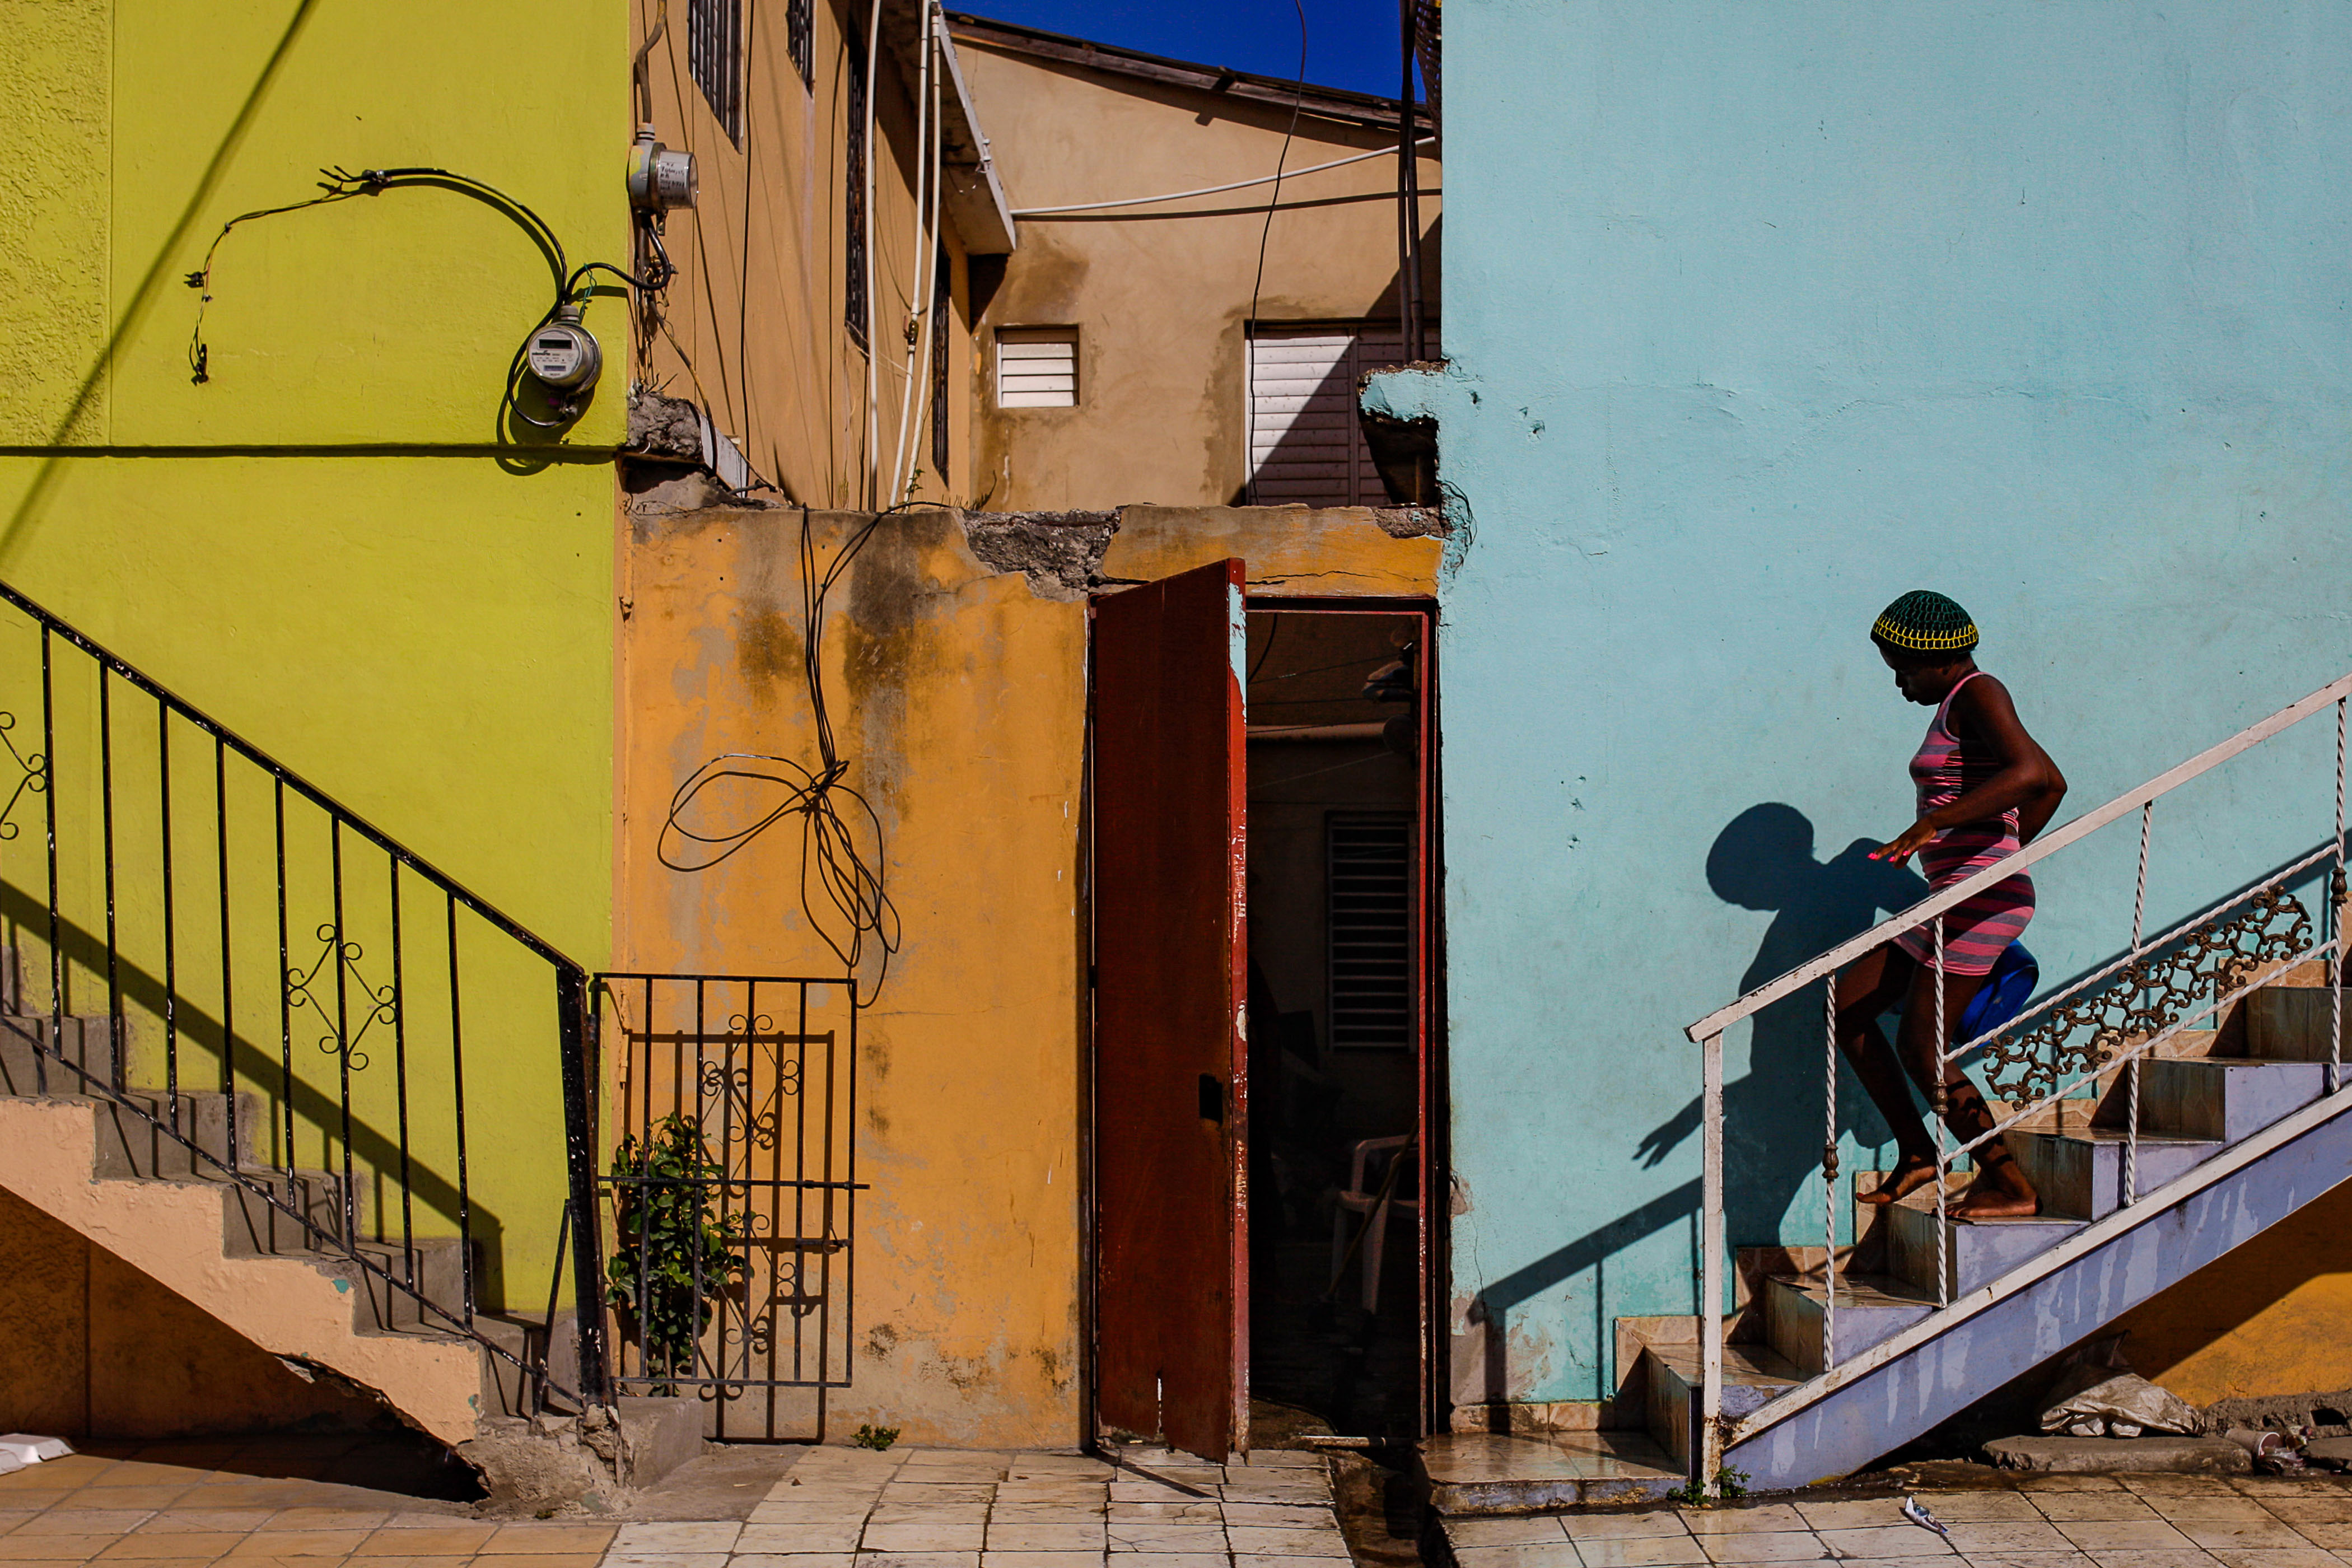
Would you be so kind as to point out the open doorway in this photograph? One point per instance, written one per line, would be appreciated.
(1266, 1074)
(1340, 1080)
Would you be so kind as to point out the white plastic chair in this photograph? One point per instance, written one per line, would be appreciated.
(1359, 1200)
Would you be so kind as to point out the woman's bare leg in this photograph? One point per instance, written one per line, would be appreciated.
(1866, 991)
(2000, 1190)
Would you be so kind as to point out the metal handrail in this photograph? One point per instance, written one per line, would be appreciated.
(252, 753)
(2125, 1059)
(272, 1184)
(1753, 1002)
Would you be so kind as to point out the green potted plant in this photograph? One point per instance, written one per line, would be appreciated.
(673, 1255)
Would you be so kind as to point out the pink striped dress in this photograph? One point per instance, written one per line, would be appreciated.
(1976, 929)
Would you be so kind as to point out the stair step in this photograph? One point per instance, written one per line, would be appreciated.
(383, 1308)
(2223, 1099)
(1476, 1473)
(258, 1227)
(1753, 1376)
(132, 1143)
(2290, 1023)
(1845, 1428)
(1870, 1308)
(2080, 1176)
(1980, 1250)
(29, 1048)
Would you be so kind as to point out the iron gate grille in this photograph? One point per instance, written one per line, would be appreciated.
(730, 1190)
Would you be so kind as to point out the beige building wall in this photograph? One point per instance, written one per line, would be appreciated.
(97, 1348)
(754, 328)
(1160, 293)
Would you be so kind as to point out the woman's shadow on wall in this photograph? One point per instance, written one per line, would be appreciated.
(1773, 1123)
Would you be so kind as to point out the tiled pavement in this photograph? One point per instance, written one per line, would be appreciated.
(89, 1509)
(848, 1508)
(836, 1507)
(2048, 1522)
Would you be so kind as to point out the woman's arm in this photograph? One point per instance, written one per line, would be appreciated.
(2028, 780)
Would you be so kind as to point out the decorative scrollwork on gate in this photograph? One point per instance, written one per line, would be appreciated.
(2147, 996)
(32, 775)
(730, 1081)
(377, 1004)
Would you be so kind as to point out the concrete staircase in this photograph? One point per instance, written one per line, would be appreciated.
(2236, 1133)
(104, 1166)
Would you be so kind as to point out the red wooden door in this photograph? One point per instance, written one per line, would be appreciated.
(1171, 1094)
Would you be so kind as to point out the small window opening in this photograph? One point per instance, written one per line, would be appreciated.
(1368, 873)
(714, 53)
(800, 38)
(943, 311)
(1036, 367)
(853, 260)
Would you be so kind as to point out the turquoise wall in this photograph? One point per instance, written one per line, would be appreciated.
(1759, 315)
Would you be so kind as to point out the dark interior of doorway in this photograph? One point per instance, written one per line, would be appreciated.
(1336, 1010)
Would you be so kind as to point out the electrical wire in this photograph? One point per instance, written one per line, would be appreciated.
(904, 452)
(571, 285)
(1273, 630)
(1257, 282)
(866, 248)
(841, 833)
(1215, 190)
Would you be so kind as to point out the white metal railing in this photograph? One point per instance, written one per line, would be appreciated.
(2116, 1049)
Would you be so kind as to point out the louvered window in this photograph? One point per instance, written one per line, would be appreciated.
(714, 53)
(1305, 446)
(1036, 367)
(1368, 872)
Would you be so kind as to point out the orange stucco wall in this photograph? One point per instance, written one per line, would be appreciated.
(2267, 1319)
(959, 695)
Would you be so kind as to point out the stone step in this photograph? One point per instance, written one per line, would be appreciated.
(434, 1267)
(136, 1132)
(2223, 1099)
(2080, 1176)
(2290, 1025)
(1477, 1474)
(1979, 1251)
(1870, 1308)
(31, 1049)
(257, 1223)
(1753, 1376)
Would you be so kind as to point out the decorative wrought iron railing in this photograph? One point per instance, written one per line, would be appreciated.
(2087, 1038)
(733, 1190)
(279, 995)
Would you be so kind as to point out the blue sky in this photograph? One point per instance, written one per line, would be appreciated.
(1349, 43)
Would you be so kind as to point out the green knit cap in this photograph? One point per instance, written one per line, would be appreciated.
(1923, 622)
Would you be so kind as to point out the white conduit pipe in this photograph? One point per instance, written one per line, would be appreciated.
(920, 364)
(926, 169)
(1214, 190)
(872, 364)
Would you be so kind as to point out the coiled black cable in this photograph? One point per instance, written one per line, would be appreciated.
(842, 852)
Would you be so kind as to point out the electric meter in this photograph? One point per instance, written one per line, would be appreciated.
(563, 355)
(659, 179)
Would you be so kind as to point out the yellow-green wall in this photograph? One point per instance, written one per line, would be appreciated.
(322, 545)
